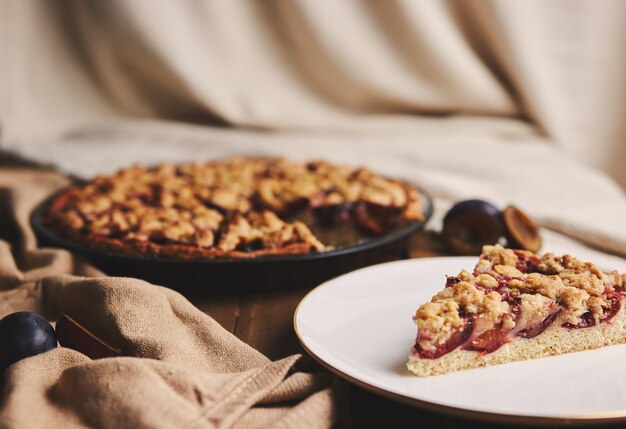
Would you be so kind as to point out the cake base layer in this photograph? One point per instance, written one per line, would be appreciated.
(553, 341)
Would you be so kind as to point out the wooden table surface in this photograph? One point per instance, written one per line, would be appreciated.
(264, 321)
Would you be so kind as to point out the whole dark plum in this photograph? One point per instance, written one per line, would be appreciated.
(24, 334)
(471, 224)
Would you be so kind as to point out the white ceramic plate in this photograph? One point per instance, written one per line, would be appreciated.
(359, 326)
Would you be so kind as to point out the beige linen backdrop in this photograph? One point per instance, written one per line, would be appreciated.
(319, 64)
(505, 100)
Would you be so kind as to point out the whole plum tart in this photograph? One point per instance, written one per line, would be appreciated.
(517, 305)
(233, 208)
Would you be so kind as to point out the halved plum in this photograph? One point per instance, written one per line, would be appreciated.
(587, 320)
(526, 263)
(537, 328)
(375, 218)
(452, 280)
(490, 341)
(615, 305)
(73, 335)
(333, 214)
(457, 339)
(520, 230)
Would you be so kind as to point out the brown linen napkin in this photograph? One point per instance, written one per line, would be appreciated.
(180, 367)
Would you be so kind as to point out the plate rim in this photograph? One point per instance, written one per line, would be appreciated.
(595, 418)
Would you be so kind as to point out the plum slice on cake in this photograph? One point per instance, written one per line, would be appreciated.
(517, 305)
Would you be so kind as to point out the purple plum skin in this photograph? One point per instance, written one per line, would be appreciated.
(471, 224)
(24, 334)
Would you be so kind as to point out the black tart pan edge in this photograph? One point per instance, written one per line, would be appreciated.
(234, 275)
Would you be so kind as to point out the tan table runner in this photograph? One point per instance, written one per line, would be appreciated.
(180, 367)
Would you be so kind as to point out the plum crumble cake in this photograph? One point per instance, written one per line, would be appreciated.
(516, 305)
(235, 208)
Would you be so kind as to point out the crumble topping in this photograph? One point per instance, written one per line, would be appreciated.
(536, 283)
(467, 296)
(522, 293)
(486, 281)
(497, 255)
(264, 231)
(597, 305)
(534, 308)
(495, 308)
(575, 302)
(228, 208)
(591, 284)
(437, 321)
(507, 270)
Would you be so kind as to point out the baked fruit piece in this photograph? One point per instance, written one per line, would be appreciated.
(517, 305)
(234, 208)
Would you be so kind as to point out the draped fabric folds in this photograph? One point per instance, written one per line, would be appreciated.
(311, 64)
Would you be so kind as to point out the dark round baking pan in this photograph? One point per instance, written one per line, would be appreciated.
(222, 275)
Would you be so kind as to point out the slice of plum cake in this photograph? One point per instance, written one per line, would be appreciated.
(517, 305)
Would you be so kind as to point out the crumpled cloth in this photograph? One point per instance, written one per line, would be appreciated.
(179, 368)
